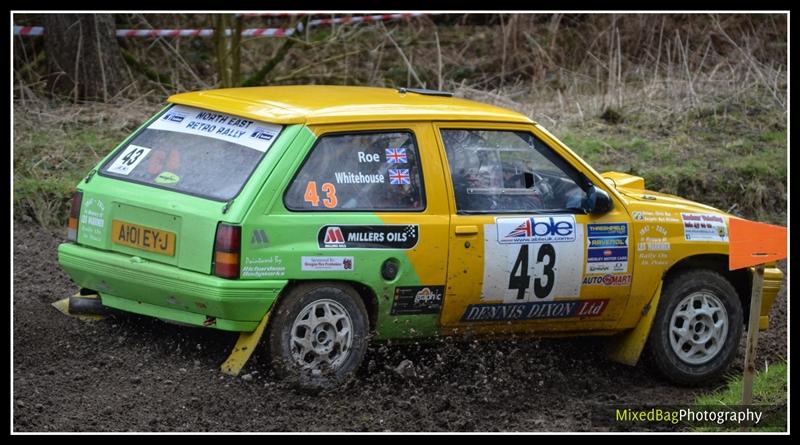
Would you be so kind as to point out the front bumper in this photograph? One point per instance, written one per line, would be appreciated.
(167, 292)
(773, 277)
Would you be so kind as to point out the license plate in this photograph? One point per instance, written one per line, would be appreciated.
(142, 237)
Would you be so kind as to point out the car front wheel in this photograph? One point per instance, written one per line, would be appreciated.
(318, 334)
(697, 329)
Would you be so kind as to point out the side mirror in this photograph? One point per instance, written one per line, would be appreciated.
(598, 201)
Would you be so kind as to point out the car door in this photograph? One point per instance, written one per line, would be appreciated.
(523, 254)
(363, 203)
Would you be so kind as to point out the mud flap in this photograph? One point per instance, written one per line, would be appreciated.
(626, 347)
(80, 301)
(244, 348)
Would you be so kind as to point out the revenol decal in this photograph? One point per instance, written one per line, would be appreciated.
(368, 237)
(607, 249)
(417, 300)
(534, 311)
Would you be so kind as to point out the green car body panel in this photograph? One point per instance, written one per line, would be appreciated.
(181, 288)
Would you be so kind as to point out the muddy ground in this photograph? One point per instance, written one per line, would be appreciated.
(131, 373)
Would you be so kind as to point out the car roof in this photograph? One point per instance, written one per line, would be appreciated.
(323, 104)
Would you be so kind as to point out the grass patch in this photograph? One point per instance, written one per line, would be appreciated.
(769, 388)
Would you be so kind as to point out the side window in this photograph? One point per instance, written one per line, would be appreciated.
(360, 171)
(510, 172)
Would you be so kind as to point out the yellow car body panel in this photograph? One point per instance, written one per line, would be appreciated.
(320, 104)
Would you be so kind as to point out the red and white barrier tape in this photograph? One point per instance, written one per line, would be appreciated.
(249, 32)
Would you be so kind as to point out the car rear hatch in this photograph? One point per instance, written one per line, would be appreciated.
(162, 193)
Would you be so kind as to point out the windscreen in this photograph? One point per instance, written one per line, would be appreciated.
(194, 151)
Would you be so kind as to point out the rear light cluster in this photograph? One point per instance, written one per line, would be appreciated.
(74, 215)
(226, 251)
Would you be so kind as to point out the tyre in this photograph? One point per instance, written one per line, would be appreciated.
(697, 329)
(318, 334)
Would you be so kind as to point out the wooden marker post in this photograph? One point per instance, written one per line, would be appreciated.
(754, 244)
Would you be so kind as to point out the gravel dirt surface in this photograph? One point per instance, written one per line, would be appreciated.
(131, 373)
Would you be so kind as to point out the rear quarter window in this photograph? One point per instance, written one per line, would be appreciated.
(194, 151)
(374, 171)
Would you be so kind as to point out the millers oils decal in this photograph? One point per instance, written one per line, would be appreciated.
(368, 237)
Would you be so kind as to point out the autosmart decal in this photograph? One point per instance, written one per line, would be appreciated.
(417, 300)
(607, 248)
(607, 280)
(534, 311)
(368, 237)
(536, 258)
(182, 119)
(537, 229)
(327, 263)
(704, 227)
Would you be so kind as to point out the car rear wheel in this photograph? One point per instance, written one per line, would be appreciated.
(697, 329)
(318, 334)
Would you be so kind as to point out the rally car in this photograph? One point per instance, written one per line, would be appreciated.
(326, 217)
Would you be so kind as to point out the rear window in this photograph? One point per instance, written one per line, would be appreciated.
(360, 171)
(194, 151)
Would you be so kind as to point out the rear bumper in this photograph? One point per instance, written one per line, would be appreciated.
(167, 292)
(773, 277)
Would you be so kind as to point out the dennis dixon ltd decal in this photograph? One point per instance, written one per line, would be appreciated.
(534, 311)
(417, 300)
(368, 237)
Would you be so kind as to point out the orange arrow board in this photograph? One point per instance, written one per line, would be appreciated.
(753, 243)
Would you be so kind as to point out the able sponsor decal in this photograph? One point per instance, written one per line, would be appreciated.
(368, 237)
(417, 300)
(182, 119)
(534, 311)
(607, 248)
(327, 263)
(536, 229)
(263, 267)
(607, 280)
(704, 227)
(534, 258)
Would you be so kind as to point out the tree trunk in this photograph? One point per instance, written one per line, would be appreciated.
(84, 57)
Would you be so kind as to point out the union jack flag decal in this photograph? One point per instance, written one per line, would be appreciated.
(523, 230)
(396, 156)
(399, 176)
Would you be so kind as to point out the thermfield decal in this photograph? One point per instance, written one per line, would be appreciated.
(607, 248)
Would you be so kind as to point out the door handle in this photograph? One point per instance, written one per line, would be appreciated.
(466, 230)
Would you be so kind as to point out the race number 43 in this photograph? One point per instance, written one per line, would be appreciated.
(520, 278)
(129, 159)
(539, 258)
